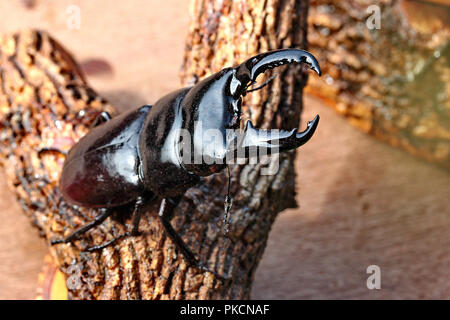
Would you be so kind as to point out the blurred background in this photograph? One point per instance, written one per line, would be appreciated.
(361, 201)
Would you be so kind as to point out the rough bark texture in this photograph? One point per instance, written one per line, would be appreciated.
(392, 82)
(45, 102)
(224, 33)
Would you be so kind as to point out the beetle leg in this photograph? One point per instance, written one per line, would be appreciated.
(108, 243)
(139, 207)
(167, 206)
(227, 203)
(247, 90)
(166, 211)
(102, 117)
(51, 150)
(77, 233)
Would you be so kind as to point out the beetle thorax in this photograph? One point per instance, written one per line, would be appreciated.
(214, 114)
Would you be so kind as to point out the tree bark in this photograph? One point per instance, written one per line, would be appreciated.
(391, 82)
(46, 103)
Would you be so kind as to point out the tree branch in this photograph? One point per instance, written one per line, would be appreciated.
(46, 103)
(390, 82)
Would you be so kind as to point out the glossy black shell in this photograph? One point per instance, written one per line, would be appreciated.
(102, 169)
(162, 170)
(142, 152)
(134, 152)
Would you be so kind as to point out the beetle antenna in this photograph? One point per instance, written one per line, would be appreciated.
(261, 86)
(228, 203)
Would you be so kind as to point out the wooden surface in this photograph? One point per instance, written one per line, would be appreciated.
(45, 102)
(362, 202)
(391, 82)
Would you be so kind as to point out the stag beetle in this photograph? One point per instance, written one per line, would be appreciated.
(135, 158)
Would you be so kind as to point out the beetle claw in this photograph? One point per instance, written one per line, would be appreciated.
(273, 141)
(249, 70)
(304, 136)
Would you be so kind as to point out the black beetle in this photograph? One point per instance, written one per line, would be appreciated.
(136, 157)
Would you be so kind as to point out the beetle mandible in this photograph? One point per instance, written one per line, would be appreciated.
(136, 158)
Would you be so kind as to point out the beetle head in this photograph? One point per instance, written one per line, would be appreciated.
(214, 104)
